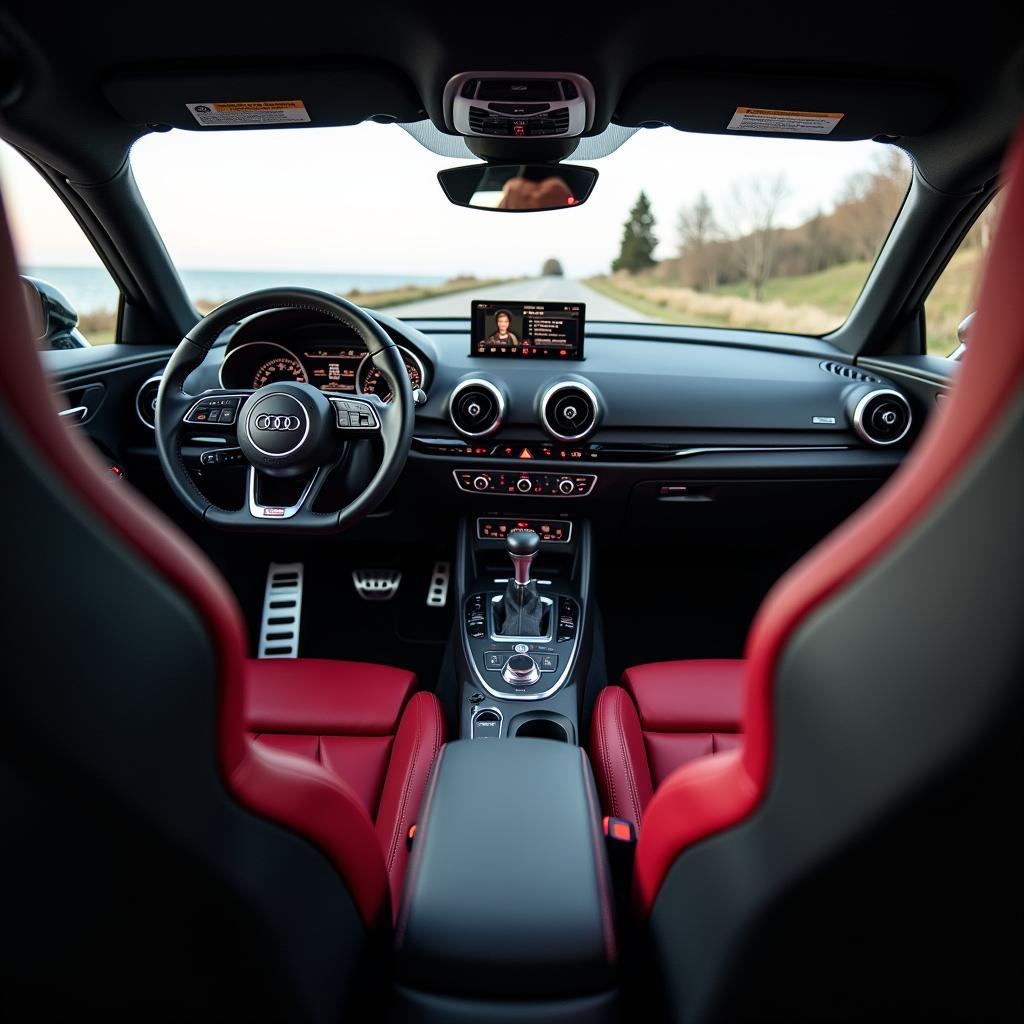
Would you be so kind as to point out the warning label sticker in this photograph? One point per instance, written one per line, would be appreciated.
(255, 112)
(793, 122)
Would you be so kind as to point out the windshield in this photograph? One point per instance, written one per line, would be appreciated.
(691, 229)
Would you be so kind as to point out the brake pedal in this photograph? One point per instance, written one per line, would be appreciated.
(437, 592)
(282, 611)
(376, 584)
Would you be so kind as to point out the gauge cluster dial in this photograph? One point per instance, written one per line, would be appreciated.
(277, 369)
(370, 381)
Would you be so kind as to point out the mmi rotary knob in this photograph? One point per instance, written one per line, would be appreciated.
(520, 670)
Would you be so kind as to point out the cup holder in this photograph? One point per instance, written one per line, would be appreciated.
(543, 725)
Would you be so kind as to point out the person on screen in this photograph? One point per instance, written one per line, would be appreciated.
(503, 336)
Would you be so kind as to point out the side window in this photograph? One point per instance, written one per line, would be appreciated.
(51, 247)
(954, 294)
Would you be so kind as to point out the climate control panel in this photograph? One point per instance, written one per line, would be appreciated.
(525, 484)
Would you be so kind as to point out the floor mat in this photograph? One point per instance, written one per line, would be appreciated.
(683, 602)
(404, 631)
(336, 623)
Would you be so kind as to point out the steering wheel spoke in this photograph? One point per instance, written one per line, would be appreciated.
(303, 504)
(215, 408)
(358, 417)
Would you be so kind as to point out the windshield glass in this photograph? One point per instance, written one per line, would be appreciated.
(691, 229)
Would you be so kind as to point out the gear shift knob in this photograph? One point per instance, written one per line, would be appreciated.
(522, 547)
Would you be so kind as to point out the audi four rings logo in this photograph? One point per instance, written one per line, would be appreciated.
(277, 423)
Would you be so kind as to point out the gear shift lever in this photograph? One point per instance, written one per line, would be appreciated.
(522, 607)
(522, 547)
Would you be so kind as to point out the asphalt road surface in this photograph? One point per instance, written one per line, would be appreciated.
(537, 289)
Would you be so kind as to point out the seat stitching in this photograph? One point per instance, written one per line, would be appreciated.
(405, 792)
(628, 764)
(605, 759)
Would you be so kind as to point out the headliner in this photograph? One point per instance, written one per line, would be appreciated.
(55, 71)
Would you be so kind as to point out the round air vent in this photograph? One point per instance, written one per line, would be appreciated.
(569, 411)
(145, 401)
(882, 417)
(476, 408)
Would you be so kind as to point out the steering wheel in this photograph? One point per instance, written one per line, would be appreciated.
(284, 429)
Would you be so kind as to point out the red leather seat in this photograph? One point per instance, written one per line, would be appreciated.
(364, 724)
(665, 714)
(855, 858)
(219, 839)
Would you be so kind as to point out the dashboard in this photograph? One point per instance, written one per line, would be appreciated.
(655, 427)
(641, 394)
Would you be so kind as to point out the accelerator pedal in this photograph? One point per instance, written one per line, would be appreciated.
(376, 584)
(282, 611)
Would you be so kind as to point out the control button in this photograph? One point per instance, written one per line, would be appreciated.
(566, 619)
(547, 662)
(209, 458)
(522, 648)
(481, 483)
(524, 485)
(495, 660)
(227, 415)
(475, 697)
(566, 486)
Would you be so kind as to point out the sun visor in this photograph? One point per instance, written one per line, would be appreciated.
(265, 98)
(790, 107)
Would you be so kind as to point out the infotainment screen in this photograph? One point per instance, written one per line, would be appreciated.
(527, 330)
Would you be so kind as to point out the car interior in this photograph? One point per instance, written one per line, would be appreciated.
(489, 656)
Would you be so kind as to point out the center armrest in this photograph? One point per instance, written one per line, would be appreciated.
(507, 895)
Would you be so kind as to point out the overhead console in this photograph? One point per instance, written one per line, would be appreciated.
(519, 104)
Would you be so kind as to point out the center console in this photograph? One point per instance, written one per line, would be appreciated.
(508, 896)
(524, 651)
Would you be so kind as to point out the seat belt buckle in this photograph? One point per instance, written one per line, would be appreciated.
(620, 842)
(618, 830)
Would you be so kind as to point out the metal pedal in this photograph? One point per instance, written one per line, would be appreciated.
(282, 611)
(437, 592)
(376, 584)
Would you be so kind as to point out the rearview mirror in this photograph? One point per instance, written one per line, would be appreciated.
(516, 188)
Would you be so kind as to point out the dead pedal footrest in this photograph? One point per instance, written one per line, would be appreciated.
(282, 611)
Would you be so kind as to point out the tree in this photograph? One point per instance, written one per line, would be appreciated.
(868, 204)
(816, 255)
(697, 229)
(638, 240)
(755, 212)
(552, 268)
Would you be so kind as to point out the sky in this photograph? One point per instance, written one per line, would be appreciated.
(366, 199)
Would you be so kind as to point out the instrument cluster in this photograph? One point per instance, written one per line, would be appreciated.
(334, 368)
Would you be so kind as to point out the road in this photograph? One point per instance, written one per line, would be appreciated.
(536, 289)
